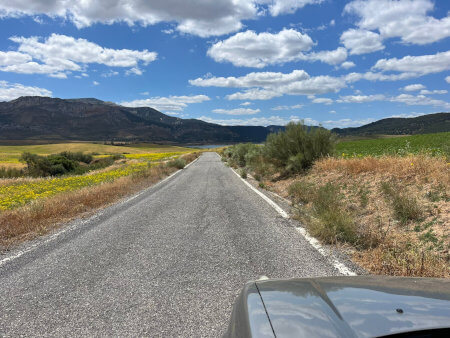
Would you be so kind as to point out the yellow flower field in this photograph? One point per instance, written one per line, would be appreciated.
(17, 194)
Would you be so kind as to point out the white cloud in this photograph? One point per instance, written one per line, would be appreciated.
(413, 87)
(10, 91)
(250, 49)
(418, 65)
(405, 19)
(59, 55)
(267, 85)
(360, 98)
(237, 111)
(433, 92)
(419, 100)
(360, 41)
(323, 100)
(332, 111)
(296, 106)
(245, 104)
(171, 103)
(332, 57)
(447, 79)
(278, 7)
(95, 83)
(347, 64)
(254, 121)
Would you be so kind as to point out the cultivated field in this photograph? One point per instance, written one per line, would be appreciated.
(431, 144)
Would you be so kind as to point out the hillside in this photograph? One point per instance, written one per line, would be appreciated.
(426, 124)
(45, 118)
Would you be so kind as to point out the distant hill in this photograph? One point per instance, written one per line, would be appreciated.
(432, 123)
(45, 118)
(36, 118)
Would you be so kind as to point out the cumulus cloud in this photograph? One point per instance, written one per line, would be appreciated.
(267, 85)
(419, 65)
(245, 104)
(258, 50)
(347, 64)
(404, 19)
(360, 98)
(237, 111)
(10, 91)
(323, 100)
(433, 92)
(198, 17)
(413, 87)
(447, 79)
(171, 103)
(360, 41)
(251, 49)
(59, 55)
(296, 106)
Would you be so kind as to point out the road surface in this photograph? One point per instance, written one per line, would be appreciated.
(169, 262)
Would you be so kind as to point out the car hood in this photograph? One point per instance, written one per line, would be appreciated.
(355, 306)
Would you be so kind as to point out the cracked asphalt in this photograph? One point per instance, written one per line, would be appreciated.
(168, 263)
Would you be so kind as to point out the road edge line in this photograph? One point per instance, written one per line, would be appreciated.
(69, 228)
(341, 267)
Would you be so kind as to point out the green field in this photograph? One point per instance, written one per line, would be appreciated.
(9, 155)
(437, 144)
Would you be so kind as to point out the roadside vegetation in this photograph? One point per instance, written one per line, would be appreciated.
(388, 207)
(54, 188)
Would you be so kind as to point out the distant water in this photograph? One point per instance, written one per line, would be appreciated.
(208, 146)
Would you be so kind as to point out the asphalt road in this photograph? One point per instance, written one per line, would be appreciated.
(169, 262)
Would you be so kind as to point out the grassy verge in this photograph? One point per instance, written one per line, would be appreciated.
(392, 216)
(40, 215)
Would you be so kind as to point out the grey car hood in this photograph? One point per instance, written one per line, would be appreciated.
(355, 306)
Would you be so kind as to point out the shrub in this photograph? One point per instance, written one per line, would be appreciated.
(296, 148)
(332, 222)
(237, 154)
(11, 172)
(178, 163)
(405, 207)
(302, 191)
(243, 173)
(77, 157)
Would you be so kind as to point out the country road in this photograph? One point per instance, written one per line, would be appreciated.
(168, 262)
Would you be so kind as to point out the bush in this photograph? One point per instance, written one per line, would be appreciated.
(11, 172)
(236, 154)
(77, 157)
(178, 163)
(405, 207)
(302, 191)
(296, 148)
(335, 222)
(243, 173)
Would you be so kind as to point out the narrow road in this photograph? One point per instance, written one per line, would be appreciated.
(169, 262)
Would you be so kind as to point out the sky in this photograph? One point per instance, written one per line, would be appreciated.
(234, 62)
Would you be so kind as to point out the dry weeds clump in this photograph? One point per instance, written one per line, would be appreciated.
(45, 214)
(401, 212)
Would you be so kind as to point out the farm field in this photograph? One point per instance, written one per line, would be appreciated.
(9, 155)
(432, 144)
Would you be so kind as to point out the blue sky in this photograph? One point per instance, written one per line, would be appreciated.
(247, 62)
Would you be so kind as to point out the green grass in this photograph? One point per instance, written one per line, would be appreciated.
(437, 144)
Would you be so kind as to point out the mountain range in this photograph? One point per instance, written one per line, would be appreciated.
(88, 119)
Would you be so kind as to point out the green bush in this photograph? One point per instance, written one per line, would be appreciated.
(334, 222)
(77, 157)
(237, 154)
(11, 172)
(178, 163)
(243, 173)
(406, 208)
(296, 148)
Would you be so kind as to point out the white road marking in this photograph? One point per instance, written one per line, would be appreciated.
(341, 267)
(60, 232)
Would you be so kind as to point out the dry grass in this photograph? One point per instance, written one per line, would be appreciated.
(46, 214)
(405, 233)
